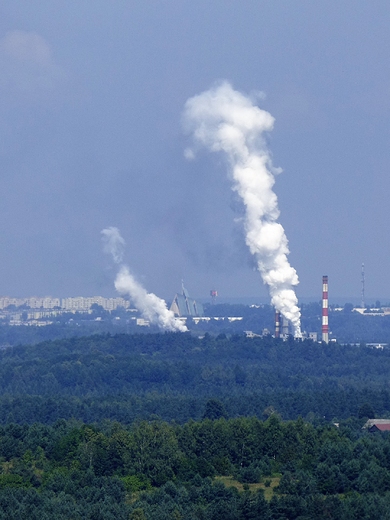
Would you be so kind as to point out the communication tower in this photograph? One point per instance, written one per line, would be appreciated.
(363, 282)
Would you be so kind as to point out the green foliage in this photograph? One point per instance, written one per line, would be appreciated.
(178, 377)
(366, 411)
(134, 483)
(12, 481)
(66, 470)
(214, 410)
(118, 439)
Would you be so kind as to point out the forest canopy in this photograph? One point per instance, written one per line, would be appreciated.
(128, 377)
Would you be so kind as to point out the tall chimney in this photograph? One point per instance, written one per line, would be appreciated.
(285, 329)
(277, 324)
(325, 322)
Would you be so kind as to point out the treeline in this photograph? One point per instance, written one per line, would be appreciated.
(129, 377)
(155, 470)
(318, 407)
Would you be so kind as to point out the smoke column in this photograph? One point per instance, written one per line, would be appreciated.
(223, 119)
(151, 306)
(113, 243)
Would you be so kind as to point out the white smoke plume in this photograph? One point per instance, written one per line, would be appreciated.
(113, 243)
(151, 306)
(223, 119)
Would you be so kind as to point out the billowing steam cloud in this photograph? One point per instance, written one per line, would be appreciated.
(151, 306)
(223, 119)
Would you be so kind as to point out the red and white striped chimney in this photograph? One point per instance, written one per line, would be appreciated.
(325, 306)
(277, 324)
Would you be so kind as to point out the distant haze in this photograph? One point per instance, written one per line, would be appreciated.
(91, 102)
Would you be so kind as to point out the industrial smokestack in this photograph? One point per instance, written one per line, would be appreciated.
(285, 328)
(277, 324)
(325, 306)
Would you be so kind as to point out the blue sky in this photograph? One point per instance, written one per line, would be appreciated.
(91, 101)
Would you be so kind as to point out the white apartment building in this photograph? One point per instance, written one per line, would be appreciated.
(79, 303)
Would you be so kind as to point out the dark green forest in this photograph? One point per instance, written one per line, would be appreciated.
(176, 426)
(172, 376)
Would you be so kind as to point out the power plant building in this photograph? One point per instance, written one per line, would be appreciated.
(183, 305)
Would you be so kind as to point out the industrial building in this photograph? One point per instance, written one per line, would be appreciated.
(183, 305)
(282, 326)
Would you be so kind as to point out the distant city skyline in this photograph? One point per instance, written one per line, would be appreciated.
(111, 303)
(81, 303)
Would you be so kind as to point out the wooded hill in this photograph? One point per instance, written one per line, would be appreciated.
(152, 427)
(156, 471)
(128, 377)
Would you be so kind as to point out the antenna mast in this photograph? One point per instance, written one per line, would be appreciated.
(363, 298)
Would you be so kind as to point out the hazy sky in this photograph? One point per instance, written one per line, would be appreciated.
(91, 101)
